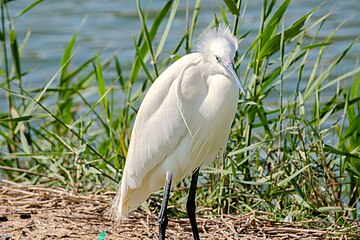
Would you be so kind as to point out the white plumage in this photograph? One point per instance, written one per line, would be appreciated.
(184, 120)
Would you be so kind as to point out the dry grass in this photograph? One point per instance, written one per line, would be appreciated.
(34, 212)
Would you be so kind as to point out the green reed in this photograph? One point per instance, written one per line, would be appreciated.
(297, 158)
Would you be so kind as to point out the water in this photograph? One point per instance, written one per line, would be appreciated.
(108, 26)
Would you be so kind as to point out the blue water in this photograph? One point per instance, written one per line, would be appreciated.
(108, 26)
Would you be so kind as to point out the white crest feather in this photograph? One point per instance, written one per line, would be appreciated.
(213, 35)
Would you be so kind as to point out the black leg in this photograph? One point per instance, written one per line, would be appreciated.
(163, 220)
(190, 204)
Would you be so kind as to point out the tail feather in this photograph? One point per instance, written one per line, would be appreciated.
(126, 200)
(118, 210)
(130, 195)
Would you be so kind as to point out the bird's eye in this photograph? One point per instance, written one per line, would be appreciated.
(218, 58)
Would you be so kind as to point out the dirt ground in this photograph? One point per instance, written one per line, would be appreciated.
(34, 212)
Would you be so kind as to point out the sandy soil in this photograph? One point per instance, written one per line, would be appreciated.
(34, 212)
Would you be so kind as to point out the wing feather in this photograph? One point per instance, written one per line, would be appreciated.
(159, 125)
(158, 128)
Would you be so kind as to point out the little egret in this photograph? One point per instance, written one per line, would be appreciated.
(183, 123)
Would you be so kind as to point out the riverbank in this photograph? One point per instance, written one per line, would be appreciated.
(36, 212)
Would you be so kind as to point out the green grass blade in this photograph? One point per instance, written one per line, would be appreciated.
(141, 60)
(333, 150)
(310, 89)
(273, 45)
(119, 72)
(272, 25)
(353, 128)
(292, 176)
(193, 25)
(148, 38)
(101, 85)
(64, 80)
(341, 78)
(144, 48)
(167, 28)
(316, 45)
(28, 8)
(15, 54)
(232, 7)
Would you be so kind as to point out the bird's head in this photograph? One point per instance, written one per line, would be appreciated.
(219, 46)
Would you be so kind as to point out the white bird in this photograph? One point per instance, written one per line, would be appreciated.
(183, 123)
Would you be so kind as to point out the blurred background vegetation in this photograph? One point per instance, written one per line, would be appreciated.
(294, 148)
